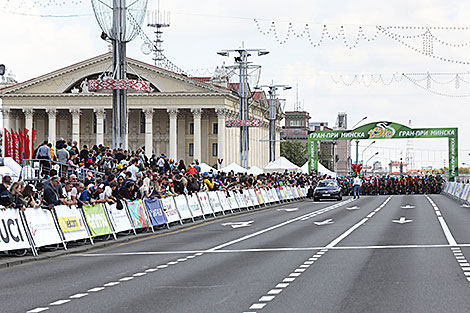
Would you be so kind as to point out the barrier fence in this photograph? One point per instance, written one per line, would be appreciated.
(35, 227)
(458, 191)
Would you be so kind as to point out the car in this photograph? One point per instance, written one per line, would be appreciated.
(327, 189)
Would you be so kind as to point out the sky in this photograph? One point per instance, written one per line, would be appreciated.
(35, 40)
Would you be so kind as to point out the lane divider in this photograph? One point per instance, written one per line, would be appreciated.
(271, 294)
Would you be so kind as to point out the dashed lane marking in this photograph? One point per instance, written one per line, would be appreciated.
(60, 302)
(78, 295)
(37, 310)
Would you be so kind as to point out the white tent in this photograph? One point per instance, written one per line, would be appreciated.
(9, 167)
(233, 167)
(255, 171)
(280, 165)
(321, 170)
(206, 168)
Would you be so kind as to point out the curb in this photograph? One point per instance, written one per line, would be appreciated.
(109, 243)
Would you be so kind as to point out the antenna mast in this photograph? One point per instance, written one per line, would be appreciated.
(158, 20)
(409, 159)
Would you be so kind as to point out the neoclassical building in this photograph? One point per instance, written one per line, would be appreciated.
(183, 117)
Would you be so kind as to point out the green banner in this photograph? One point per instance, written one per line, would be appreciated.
(97, 220)
(385, 130)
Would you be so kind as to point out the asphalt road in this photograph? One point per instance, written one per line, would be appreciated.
(374, 254)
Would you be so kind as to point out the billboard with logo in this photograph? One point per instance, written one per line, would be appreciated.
(12, 231)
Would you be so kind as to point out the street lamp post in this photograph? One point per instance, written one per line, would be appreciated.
(357, 145)
(362, 155)
(365, 165)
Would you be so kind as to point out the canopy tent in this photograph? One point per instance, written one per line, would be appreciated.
(233, 167)
(9, 167)
(255, 171)
(280, 165)
(206, 168)
(321, 170)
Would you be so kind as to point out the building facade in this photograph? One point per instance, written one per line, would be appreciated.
(183, 117)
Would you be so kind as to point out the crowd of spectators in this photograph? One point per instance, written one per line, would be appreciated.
(114, 174)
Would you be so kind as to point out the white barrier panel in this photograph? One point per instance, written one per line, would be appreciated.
(119, 218)
(296, 192)
(170, 210)
(274, 195)
(194, 205)
(204, 201)
(466, 193)
(260, 198)
(71, 222)
(223, 201)
(254, 198)
(240, 198)
(183, 207)
(232, 200)
(42, 227)
(214, 200)
(265, 195)
(12, 231)
(247, 196)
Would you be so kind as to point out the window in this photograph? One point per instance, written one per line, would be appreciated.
(191, 149)
(214, 149)
(191, 128)
(94, 123)
(142, 122)
(215, 128)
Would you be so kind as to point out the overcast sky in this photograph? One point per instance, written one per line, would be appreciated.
(32, 45)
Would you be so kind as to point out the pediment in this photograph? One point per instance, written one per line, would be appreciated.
(69, 78)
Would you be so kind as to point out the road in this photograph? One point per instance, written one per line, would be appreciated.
(373, 254)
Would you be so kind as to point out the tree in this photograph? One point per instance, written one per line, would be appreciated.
(295, 151)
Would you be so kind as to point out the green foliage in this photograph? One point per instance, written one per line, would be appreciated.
(295, 151)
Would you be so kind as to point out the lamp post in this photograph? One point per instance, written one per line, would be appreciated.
(357, 145)
(365, 165)
(362, 155)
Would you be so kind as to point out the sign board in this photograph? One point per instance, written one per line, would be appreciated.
(155, 210)
(97, 220)
(183, 207)
(232, 200)
(138, 214)
(113, 84)
(71, 222)
(194, 205)
(12, 231)
(119, 218)
(240, 123)
(170, 210)
(223, 201)
(214, 200)
(42, 227)
(204, 201)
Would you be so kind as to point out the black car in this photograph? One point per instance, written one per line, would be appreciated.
(327, 189)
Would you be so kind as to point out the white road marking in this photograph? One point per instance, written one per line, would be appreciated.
(78, 295)
(139, 274)
(60, 302)
(325, 222)
(304, 266)
(238, 224)
(266, 298)
(95, 289)
(464, 264)
(36, 310)
(257, 306)
(113, 283)
(274, 291)
(282, 285)
(126, 278)
(182, 260)
(294, 274)
(162, 266)
(172, 263)
(288, 279)
(151, 270)
(445, 228)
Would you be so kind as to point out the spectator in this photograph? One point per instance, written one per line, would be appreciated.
(181, 166)
(51, 197)
(5, 199)
(133, 169)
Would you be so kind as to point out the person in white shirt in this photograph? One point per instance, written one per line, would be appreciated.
(357, 183)
(133, 169)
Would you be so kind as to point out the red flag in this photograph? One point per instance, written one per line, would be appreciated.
(27, 152)
(21, 145)
(7, 151)
(33, 136)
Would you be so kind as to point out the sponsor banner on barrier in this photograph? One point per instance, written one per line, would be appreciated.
(97, 220)
(12, 231)
(247, 196)
(280, 195)
(138, 214)
(296, 192)
(194, 206)
(42, 227)
(71, 222)
(240, 198)
(254, 198)
(259, 196)
(223, 201)
(155, 210)
(274, 195)
(214, 200)
(183, 207)
(232, 200)
(265, 196)
(204, 201)
(467, 194)
(464, 194)
(170, 210)
(119, 218)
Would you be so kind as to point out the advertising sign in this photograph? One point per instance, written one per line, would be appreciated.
(170, 210)
(214, 200)
(223, 201)
(232, 200)
(265, 195)
(42, 227)
(240, 198)
(97, 220)
(205, 204)
(155, 210)
(259, 196)
(194, 205)
(138, 214)
(71, 222)
(119, 218)
(183, 207)
(247, 196)
(12, 231)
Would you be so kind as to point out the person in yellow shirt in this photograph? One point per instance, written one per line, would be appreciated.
(207, 180)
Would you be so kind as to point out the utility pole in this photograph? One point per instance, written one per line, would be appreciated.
(243, 93)
(357, 152)
(273, 105)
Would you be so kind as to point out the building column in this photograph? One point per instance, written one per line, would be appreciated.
(173, 113)
(181, 142)
(75, 125)
(197, 133)
(6, 112)
(51, 114)
(220, 135)
(99, 113)
(148, 132)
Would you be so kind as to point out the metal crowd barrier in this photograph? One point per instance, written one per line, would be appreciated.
(35, 169)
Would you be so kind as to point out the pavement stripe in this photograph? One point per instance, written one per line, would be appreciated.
(78, 295)
(59, 302)
(126, 278)
(162, 266)
(445, 228)
(113, 283)
(151, 270)
(95, 289)
(274, 291)
(257, 306)
(139, 274)
(266, 298)
(300, 270)
(36, 310)
(282, 285)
